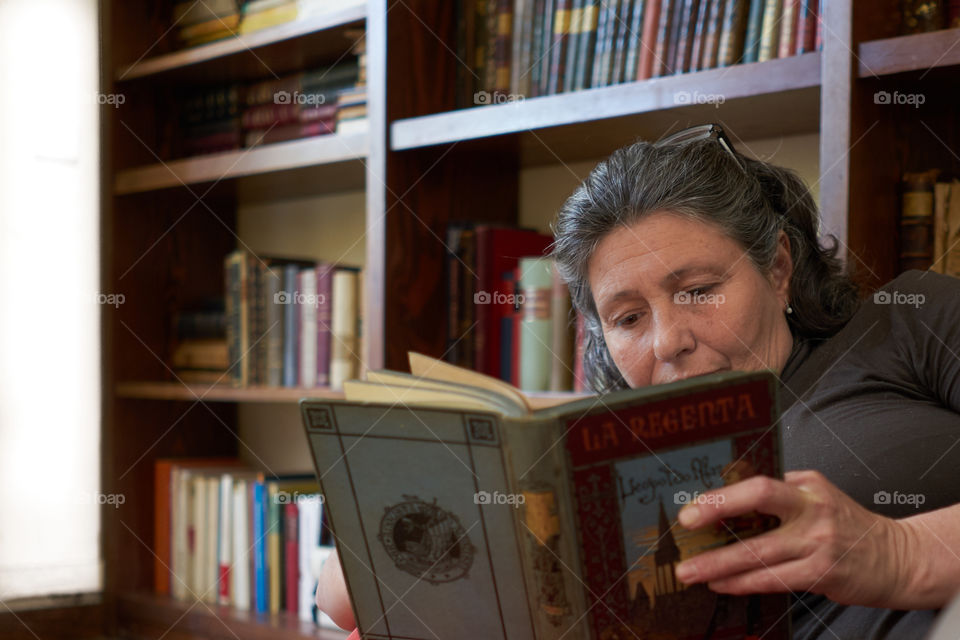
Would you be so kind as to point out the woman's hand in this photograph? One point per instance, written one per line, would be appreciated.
(826, 543)
(332, 596)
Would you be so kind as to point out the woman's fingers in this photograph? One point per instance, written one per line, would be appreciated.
(762, 551)
(760, 493)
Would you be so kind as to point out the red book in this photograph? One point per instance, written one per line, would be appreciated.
(579, 379)
(648, 41)
(498, 251)
(291, 557)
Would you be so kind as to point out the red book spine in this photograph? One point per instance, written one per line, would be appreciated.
(579, 379)
(516, 315)
(291, 557)
(648, 41)
(224, 590)
(807, 31)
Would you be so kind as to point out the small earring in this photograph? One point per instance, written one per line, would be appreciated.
(789, 308)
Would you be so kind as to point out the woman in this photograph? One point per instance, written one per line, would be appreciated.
(686, 258)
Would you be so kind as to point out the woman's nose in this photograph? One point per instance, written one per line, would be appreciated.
(672, 336)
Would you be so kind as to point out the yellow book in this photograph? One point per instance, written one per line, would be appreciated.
(268, 18)
(207, 27)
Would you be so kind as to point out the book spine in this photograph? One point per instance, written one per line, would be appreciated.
(162, 525)
(503, 45)
(490, 62)
(676, 21)
(324, 318)
(941, 200)
(307, 295)
(546, 530)
(651, 22)
(251, 301)
(274, 529)
(454, 265)
(561, 369)
(609, 38)
(259, 548)
(587, 44)
(235, 277)
(660, 66)
(916, 220)
(273, 285)
(770, 31)
(534, 65)
(240, 573)
(751, 45)
(290, 325)
(952, 229)
(685, 39)
(211, 564)
(807, 30)
(517, 36)
(224, 539)
(734, 28)
(788, 28)
(468, 308)
(635, 33)
(260, 325)
(546, 46)
(573, 45)
(484, 300)
(481, 43)
(618, 63)
(536, 283)
(290, 557)
(604, 24)
(579, 377)
(343, 337)
(699, 27)
(561, 37)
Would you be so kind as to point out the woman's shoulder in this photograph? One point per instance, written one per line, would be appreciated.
(917, 288)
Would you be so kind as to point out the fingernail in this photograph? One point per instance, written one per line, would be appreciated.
(689, 516)
(686, 572)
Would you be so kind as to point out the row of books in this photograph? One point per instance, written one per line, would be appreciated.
(509, 314)
(513, 49)
(306, 103)
(292, 323)
(225, 534)
(930, 222)
(202, 22)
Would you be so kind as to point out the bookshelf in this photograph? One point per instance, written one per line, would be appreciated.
(422, 164)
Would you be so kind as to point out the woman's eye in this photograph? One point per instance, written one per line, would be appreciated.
(628, 320)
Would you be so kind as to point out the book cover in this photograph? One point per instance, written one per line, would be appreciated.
(648, 40)
(751, 45)
(770, 30)
(518, 520)
(734, 31)
(662, 53)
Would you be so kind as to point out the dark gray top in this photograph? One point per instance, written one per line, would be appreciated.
(876, 409)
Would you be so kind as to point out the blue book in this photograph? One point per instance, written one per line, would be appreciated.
(290, 319)
(259, 548)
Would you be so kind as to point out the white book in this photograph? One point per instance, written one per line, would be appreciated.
(179, 522)
(240, 571)
(343, 328)
(307, 535)
(225, 539)
(307, 303)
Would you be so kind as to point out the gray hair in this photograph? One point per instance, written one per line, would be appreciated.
(702, 181)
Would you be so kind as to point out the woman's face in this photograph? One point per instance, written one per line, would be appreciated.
(678, 298)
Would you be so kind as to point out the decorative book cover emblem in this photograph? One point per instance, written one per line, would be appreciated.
(426, 541)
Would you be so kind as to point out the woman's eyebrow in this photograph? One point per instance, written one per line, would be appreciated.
(691, 269)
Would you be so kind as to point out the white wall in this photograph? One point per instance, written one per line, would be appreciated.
(49, 315)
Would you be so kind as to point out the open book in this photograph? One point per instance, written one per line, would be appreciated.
(463, 508)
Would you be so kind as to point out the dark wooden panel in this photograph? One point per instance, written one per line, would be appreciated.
(73, 622)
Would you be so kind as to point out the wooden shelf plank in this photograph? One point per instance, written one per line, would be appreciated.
(327, 150)
(147, 615)
(241, 44)
(915, 52)
(674, 93)
(219, 393)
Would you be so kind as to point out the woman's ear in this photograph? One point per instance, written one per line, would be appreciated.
(782, 268)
